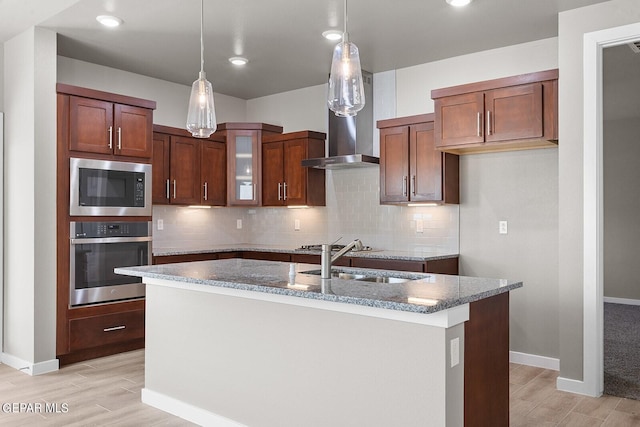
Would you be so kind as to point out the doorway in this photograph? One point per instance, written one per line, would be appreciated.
(621, 232)
(593, 264)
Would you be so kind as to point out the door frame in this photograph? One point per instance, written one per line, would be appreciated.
(593, 202)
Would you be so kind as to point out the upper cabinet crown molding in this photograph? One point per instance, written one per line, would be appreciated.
(512, 113)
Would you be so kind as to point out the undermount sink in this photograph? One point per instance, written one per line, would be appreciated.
(360, 277)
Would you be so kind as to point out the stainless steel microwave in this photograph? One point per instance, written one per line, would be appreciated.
(109, 188)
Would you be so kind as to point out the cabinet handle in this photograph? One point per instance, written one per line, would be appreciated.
(413, 185)
(174, 188)
(205, 192)
(479, 124)
(279, 190)
(489, 122)
(254, 191)
(110, 137)
(119, 138)
(168, 195)
(404, 185)
(285, 190)
(114, 328)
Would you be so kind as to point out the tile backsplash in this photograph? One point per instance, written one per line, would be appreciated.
(352, 211)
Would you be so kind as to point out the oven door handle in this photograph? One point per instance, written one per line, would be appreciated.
(110, 240)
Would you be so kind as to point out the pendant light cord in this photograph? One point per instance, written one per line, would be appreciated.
(201, 36)
(345, 16)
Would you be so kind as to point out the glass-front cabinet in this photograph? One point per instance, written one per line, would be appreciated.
(244, 163)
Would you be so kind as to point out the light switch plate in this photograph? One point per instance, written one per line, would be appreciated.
(238, 224)
(502, 227)
(455, 351)
(160, 224)
(296, 225)
(419, 226)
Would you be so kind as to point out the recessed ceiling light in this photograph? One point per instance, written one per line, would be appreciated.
(238, 60)
(459, 3)
(109, 21)
(332, 35)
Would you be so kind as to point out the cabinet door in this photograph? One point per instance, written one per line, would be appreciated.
(185, 170)
(394, 164)
(425, 164)
(243, 161)
(160, 169)
(295, 176)
(514, 113)
(213, 173)
(91, 125)
(459, 119)
(133, 131)
(273, 174)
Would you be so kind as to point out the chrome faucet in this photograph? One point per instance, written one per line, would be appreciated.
(326, 259)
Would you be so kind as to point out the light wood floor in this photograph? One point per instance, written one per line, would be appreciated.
(106, 391)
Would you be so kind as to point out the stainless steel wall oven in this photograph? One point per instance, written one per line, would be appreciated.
(96, 248)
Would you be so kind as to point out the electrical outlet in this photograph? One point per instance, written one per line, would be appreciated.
(455, 351)
(238, 224)
(160, 225)
(502, 227)
(296, 225)
(419, 226)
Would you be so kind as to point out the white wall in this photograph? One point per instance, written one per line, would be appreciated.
(302, 109)
(1, 76)
(172, 99)
(414, 84)
(621, 207)
(573, 25)
(30, 199)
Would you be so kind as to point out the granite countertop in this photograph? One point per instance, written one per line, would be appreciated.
(414, 255)
(423, 293)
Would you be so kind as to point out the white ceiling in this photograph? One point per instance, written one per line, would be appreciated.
(281, 38)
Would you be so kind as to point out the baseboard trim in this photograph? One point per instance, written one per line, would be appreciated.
(572, 386)
(626, 301)
(186, 411)
(534, 360)
(28, 367)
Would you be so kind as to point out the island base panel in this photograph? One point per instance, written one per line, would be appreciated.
(271, 364)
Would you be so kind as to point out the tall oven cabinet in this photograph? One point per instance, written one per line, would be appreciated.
(104, 129)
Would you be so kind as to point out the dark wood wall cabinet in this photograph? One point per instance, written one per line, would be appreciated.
(187, 170)
(108, 124)
(411, 169)
(512, 113)
(285, 182)
(96, 125)
(244, 160)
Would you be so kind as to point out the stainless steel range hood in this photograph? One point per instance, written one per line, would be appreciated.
(350, 138)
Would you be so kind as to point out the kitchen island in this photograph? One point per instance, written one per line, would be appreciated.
(262, 343)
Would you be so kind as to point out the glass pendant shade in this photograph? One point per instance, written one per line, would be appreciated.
(346, 91)
(201, 118)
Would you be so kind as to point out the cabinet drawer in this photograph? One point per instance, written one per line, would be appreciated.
(267, 256)
(387, 264)
(95, 331)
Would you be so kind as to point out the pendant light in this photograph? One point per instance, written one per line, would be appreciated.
(201, 119)
(346, 91)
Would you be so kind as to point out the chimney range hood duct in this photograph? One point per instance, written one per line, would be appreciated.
(350, 138)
